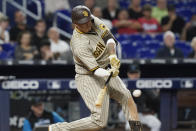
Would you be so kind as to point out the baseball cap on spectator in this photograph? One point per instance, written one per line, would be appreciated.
(36, 101)
(134, 68)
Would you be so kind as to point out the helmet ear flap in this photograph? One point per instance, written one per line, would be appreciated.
(81, 14)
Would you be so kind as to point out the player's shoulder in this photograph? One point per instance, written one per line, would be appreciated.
(77, 35)
(78, 39)
(96, 20)
(99, 23)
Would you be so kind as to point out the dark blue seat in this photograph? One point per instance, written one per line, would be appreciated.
(185, 47)
(146, 37)
(130, 49)
(8, 49)
(3, 55)
(158, 37)
(186, 13)
(124, 3)
(122, 37)
(33, 8)
(153, 44)
(146, 53)
(151, 2)
(62, 24)
(135, 37)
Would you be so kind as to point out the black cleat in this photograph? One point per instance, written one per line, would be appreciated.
(135, 125)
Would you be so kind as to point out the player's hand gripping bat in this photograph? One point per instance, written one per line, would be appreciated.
(101, 94)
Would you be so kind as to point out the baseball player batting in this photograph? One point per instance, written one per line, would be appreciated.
(94, 48)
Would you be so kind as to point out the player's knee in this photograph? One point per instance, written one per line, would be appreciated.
(127, 94)
(127, 97)
(102, 125)
(101, 121)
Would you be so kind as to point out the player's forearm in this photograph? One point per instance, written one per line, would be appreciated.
(111, 46)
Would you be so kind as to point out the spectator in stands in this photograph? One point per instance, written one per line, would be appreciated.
(45, 51)
(4, 34)
(98, 13)
(125, 25)
(38, 116)
(24, 50)
(51, 6)
(148, 23)
(1, 15)
(193, 45)
(135, 9)
(189, 30)
(40, 33)
(20, 21)
(169, 50)
(111, 11)
(59, 48)
(90, 4)
(147, 103)
(172, 22)
(160, 10)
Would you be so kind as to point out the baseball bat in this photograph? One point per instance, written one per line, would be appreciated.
(101, 94)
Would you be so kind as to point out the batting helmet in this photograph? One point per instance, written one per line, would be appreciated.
(80, 14)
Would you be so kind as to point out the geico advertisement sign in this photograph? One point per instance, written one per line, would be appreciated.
(23, 84)
(154, 84)
(72, 84)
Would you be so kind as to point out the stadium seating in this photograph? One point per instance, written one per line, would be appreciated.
(133, 46)
(33, 8)
(145, 46)
(62, 24)
(185, 47)
(8, 51)
(129, 49)
(146, 53)
(3, 55)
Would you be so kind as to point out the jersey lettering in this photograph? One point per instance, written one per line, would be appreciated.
(99, 49)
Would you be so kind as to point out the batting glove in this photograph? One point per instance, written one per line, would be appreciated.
(114, 71)
(114, 61)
